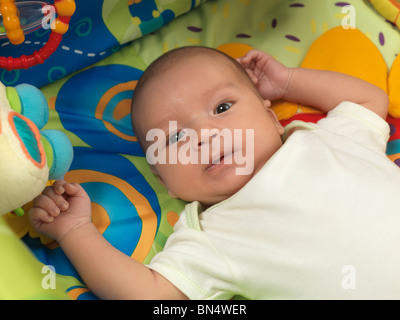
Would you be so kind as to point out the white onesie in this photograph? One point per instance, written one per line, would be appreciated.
(320, 220)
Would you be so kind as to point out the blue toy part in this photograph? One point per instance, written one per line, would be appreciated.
(33, 104)
(62, 153)
(57, 146)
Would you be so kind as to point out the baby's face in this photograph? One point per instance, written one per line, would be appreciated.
(208, 132)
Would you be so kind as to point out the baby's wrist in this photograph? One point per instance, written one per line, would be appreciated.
(76, 231)
(286, 87)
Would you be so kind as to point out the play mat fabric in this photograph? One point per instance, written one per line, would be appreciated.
(91, 78)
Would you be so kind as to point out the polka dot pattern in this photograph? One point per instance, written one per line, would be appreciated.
(293, 38)
(342, 4)
(381, 39)
(225, 9)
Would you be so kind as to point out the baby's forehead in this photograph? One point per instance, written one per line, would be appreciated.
(175, 73)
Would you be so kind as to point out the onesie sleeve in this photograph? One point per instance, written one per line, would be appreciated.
(191, 262)
(359, 124)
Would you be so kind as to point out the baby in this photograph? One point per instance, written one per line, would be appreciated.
(315, 217)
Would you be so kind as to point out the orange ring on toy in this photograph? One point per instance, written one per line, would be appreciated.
(11, 22)
(64, 9)
(35, 132)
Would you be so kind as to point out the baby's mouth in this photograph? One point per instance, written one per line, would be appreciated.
(219, 162)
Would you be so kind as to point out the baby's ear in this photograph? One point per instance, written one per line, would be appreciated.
(267, 103)
(274, 118)
(154, 170)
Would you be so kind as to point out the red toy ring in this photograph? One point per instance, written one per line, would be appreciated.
(64, 9)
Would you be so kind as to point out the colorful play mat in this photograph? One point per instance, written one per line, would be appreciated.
(89, 82)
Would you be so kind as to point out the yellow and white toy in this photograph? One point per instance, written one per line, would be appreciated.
(29, 157)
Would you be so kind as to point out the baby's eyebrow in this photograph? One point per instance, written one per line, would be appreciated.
(220, 86)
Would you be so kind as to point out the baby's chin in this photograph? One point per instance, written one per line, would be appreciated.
(227, 190)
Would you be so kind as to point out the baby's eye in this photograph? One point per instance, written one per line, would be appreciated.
(223, 107)
(175, 137)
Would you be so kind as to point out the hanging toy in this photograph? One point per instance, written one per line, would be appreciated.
(11, 13)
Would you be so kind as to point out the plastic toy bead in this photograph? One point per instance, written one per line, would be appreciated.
(60, 27)
(64, 9)
(11, 23)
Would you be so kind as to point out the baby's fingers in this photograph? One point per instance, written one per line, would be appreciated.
(252, 76)
(38, 215)
(57, 198)
(47, 205)
(246, 62)
(68, 189)
(43, 210)
(59, 186)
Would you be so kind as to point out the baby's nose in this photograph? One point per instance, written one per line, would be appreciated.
(207, 138)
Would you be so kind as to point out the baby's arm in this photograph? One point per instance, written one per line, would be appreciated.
(318, 88)
(63, 213)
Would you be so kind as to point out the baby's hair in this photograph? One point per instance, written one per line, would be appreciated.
(171, 59)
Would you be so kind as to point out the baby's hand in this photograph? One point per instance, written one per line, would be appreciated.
(60, 209)
(270, 77)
